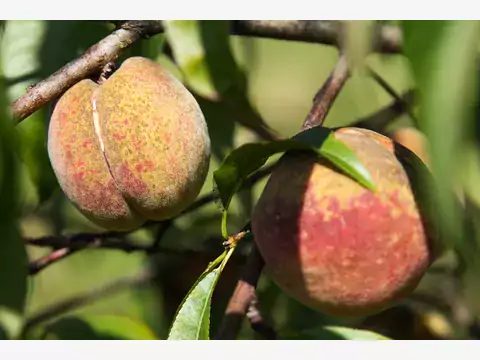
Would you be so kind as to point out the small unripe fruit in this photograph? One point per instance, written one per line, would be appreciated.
(132, 149)
(335, 245)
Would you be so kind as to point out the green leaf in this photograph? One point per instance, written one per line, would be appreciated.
(245, 160)
(335, 333)
(11, 323)
(185, 39)
(97, 327)
(339, 155)
(21, 64)
(65, 40)
(13, 256)
(31, 51)
(203, 51)
(443, 57)
(192, 321)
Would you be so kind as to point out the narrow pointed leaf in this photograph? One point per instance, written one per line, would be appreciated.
(192, 320)
(443, 57)
(245, 160)
(185, 38)
(13, 256)
(203, 51)
(335, 333)
(343, 158)
(97, 327)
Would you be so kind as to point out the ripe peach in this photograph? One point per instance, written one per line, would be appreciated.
(335, 245)
(132, 149)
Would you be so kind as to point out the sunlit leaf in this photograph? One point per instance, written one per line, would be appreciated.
(202, 50)
(97, 327)
(31, 51)
(442, 65)
(248, 158)
(192, 320)
(21, 64)
(13, 256)
(335, 333)
(339, 155)
(186, 41)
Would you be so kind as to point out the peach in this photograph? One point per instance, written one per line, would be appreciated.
(131, 149)
(337, 246)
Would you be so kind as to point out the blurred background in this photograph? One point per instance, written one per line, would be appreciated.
(281, 79)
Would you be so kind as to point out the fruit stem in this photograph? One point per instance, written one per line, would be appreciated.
(106, 72)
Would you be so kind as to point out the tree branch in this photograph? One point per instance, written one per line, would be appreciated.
(92, 61)
(327, 94)
(387, 39)
(382, 118)
(87, 298)
(244, 296)
(257, 322)
(406, 103)
(39, 264)
(66, 245)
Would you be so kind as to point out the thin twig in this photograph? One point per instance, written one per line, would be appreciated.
(257, 322)
(89, 297)
(108, 240)
(92, 61)
(66, 245)
(76, 243)
(242, 297)
(382, 118)
(53, 257)
(327, 94)
(391, 91)
(116, 239)
(388, 39)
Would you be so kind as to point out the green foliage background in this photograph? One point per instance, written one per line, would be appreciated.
(259, 79)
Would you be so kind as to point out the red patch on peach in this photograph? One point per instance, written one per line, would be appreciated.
(87, 143)
(100, 198)
(136, 142)
(149, 165)
(96, 172)
(118, 136)
(79, 175)
(349, 253)
(132, 184)
(144, 166)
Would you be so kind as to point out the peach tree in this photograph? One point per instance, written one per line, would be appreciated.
(130, 125)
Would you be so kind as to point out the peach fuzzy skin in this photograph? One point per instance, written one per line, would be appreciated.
(155, 137)
(334, 245)
(79, 164)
